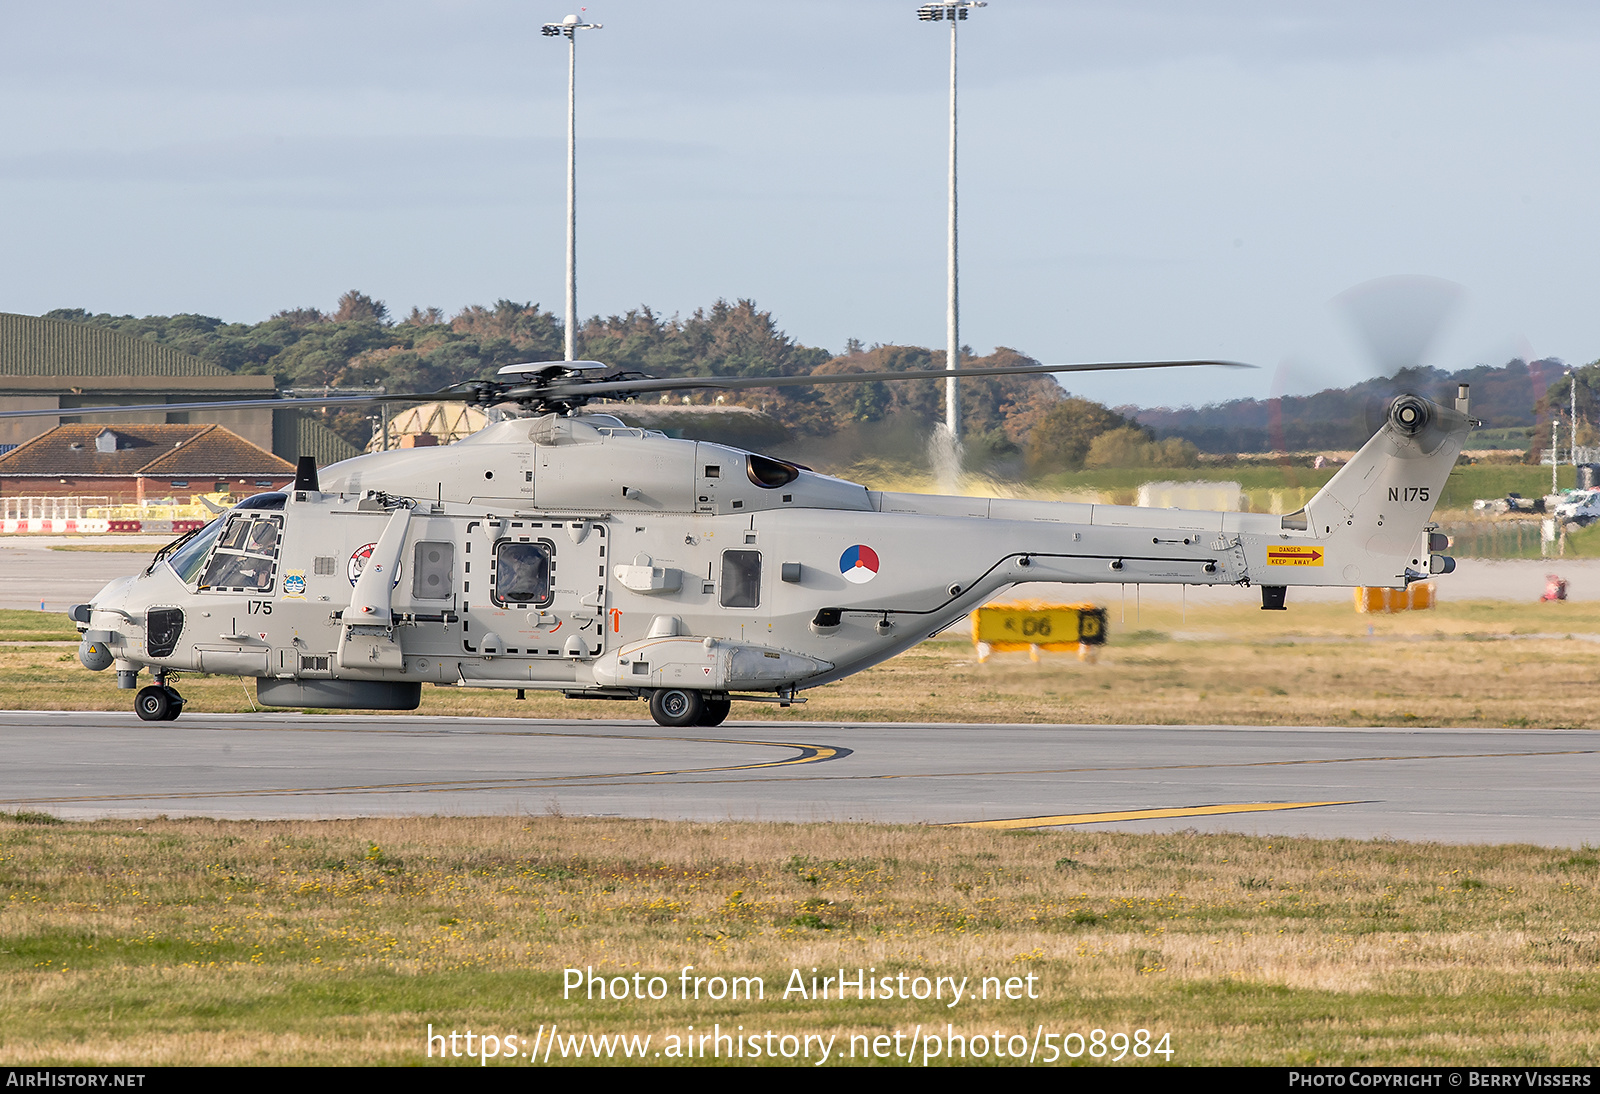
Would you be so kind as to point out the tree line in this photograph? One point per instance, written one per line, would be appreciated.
(1511, 396)
(1027, 420)
(1029, 423)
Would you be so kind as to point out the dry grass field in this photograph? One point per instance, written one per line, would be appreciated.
(1462, 664)
(152, 942)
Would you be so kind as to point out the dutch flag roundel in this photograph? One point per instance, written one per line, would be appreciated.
(859, 563)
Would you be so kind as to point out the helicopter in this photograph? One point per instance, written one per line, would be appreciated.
(560, 549)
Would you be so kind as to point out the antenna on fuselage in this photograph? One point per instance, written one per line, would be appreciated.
(305, 475)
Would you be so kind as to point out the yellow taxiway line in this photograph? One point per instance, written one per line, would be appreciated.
(1141, 814)
(807, 754)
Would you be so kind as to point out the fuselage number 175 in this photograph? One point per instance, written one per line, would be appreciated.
(1408, 493)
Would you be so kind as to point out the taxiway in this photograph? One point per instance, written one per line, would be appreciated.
(1452, 785)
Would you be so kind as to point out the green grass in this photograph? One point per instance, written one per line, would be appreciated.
(1518, 539)
(30, 626)
(1483, 480)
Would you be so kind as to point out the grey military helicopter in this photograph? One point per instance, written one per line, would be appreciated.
(561, 550)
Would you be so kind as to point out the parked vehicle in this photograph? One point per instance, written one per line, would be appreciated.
(1580, 508)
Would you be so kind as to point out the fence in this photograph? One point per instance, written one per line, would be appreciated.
(1493, 538)
(1565, 454)
(93, 515)
(49, 508)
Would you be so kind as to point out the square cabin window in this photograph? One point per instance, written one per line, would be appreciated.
(741, 579)
(523, 574)
(431, 569)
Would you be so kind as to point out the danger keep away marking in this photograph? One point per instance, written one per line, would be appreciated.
(1294, 556)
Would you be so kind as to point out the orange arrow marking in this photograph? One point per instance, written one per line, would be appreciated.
(1294, 556)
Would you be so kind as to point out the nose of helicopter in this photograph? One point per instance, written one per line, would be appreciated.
(111, 597)
(95, 651)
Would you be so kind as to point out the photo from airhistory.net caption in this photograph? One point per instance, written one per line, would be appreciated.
(933, 1043)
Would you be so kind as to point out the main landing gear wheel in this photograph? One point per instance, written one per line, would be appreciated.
(677, 707)
(158, 703)
(715, 712)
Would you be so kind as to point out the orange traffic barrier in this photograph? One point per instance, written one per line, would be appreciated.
(1416, 597)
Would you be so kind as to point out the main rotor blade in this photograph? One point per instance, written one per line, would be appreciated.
(733, 383)
(566, 391)
(241, 404)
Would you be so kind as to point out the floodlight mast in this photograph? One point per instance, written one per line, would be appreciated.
(568, 28)
(955, 11)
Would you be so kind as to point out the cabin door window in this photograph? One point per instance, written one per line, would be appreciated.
(432, 567)
(741, 579)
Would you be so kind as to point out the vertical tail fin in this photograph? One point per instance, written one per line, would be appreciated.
(1377, 507)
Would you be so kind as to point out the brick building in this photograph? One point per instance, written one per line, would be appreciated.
(133, 462)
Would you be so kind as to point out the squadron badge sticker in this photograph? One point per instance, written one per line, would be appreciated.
(859, 564)
(358, 561)
(294, 584)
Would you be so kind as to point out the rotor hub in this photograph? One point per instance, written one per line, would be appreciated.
(1410, 415)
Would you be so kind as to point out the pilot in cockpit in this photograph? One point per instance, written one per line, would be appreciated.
(263, 537)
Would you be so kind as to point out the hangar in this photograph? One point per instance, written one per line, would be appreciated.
(54, 364)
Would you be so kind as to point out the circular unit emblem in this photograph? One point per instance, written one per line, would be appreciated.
(358, 561)
(859, 564)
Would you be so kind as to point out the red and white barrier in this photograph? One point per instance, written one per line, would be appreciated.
(157, 527)
(97, 526)
(90, 525)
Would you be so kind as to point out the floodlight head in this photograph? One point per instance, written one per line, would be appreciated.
(948, 9)
(568, 28)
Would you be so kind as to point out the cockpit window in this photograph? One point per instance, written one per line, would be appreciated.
(263, 538)
(238, 531)
(263, 501)
(186, 554)
(246, 555)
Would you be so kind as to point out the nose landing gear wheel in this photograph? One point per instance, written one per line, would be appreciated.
(715, 712)
(153, 704)
(158, 703)
(676, 707)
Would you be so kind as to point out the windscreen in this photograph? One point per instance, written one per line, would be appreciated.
(185, 555)
(246, 554)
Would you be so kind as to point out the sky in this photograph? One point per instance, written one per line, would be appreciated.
(1140, 179)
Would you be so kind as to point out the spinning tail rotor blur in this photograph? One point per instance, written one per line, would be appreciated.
(1397, 321)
